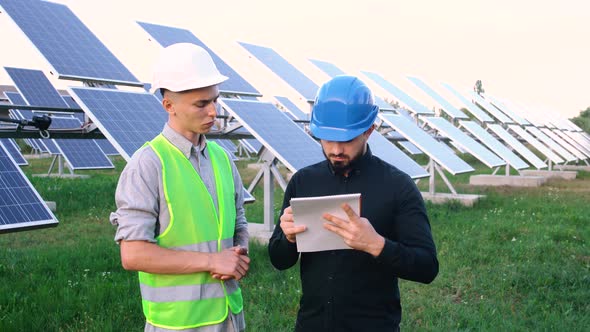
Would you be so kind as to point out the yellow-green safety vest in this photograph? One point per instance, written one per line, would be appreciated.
(181, 301)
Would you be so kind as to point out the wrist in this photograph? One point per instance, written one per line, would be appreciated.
(377, 246)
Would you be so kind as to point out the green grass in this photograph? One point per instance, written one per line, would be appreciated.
(518, 260)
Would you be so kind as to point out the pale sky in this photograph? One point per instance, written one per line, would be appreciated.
(532, 53)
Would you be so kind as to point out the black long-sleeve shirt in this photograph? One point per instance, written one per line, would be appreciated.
(350, 290)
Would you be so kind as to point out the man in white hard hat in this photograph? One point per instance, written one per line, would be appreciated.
(180, 216)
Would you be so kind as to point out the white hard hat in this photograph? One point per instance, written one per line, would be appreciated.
(185, 66)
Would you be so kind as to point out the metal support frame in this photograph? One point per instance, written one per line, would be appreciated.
(269, 172)
(60, 166)
(434, 168)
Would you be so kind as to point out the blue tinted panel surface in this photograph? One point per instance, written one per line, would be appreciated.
(79, 153)
(35, 88)
(426, 143)
(167, 36)
(399, 94)
(542, 148)
(451, 110)
(288, 142)
(384, 149)
(292, 108)
(252, 144)
(106, 147)
(67, 44)
(275, 62)
(128, 119)
(13, 150)
(473, 109)
(516, 145)
(492, 143)
(410, 147)
(466, 142)
(20, 205)
(332, 70)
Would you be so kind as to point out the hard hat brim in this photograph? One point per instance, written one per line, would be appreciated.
(190, 84)
(335, 134)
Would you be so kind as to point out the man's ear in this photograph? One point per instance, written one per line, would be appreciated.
(168, 104)
(368, 132)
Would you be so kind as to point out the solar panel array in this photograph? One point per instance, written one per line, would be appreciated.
(492, 143)
(275, 62)
(462, 139)
(413, 104)
(11, 147)
(21, 207)
(67, 44)
(550, 143)
(167, 36)
(517, 145)
(410, 147)
(451, 110)
(427, 143)
(332, 71)
(283, 137)
(542, 148)
(127, 119)
(508, 111)
(292, 108)
(391, 154)
(563, 143)
(491, 109)
(471, 107)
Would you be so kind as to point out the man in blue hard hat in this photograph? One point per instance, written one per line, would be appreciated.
(355, 290)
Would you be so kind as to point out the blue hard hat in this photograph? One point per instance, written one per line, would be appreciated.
(344, 108)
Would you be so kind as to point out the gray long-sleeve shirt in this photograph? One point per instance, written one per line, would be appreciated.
(142, 212)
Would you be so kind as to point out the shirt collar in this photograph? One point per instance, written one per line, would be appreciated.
(182, 143)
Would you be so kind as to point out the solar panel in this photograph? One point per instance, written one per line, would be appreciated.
(128, 119)
(275, 62)
(580, 139)
(43, 145)
(550, 143)
(493, 144)
(332, 71)
(413, 104)
(69, 46)
(167, 36)
(283, 137)
(517, 145)
(471, 107)
(292, 108)
(536, 144)
(21, 207)
(252, 144)
(451, 110)
(508, 111)
(11, 147)
(410, 147)
(388, 152)
(466, 142)
(79, 153)
(490, 108)
(567, 146)
(570, 139)
(35, 88)
(426, 143)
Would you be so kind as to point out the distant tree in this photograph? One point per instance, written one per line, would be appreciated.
(478, 87)
(583, 120)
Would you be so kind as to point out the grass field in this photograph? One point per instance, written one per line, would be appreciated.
(519, 260)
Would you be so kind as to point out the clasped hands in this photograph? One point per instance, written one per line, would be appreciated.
(230, 263)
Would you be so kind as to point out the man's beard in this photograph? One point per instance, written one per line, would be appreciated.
(342, 167)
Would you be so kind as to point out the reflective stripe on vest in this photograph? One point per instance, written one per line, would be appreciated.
(192, 300)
